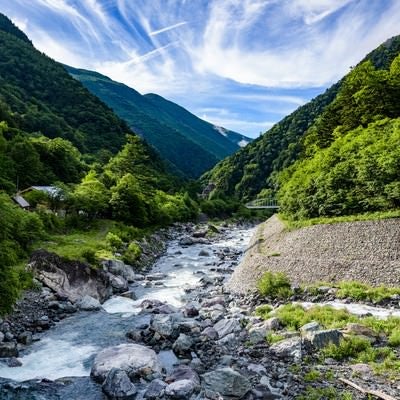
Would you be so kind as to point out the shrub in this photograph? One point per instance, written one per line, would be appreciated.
(132, 253)
(360, 291)
(114, 241)
(350, 347)
(89, 255)
(274, 285)
(394, 338)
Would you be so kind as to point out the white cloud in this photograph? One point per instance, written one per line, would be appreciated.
(167, 28)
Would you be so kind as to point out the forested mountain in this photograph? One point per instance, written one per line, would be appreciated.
(334, 155)
(189, 143)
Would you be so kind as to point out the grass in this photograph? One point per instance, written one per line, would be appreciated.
(275, 285)
(312, 375)
(274, 338)
(324, 393)
(360, 291)
(80, 244)
(294, 316)
(371, 216)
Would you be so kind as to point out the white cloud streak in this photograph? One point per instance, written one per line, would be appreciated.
(168, 28)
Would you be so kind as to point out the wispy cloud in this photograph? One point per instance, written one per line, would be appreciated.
(167, 28)
(256, 59)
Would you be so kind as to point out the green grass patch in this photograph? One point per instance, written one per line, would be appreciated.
(312, 376)
(371, 216)
(324, 393)
(294, 316)
(360, 291)
(264, 311)
(274, 338)
(276, 285)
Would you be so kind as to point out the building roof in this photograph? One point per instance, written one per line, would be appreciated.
(50, 190)
(21, 201)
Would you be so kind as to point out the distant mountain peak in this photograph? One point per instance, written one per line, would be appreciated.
(6, 25)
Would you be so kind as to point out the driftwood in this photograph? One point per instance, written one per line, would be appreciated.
(376, 393)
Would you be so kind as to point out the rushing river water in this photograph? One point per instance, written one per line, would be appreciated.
(69, 348)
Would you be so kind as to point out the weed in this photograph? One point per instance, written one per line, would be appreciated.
(274, 338)
(312, 375)
(394, 338)
(276, 285)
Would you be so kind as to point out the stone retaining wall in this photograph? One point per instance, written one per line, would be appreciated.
(366, 251)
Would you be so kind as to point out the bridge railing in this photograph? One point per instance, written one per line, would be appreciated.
(263, 203)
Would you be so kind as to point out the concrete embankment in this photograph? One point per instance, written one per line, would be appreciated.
(366, 251)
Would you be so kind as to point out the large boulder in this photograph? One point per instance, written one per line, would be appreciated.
(289, 348)
(118, 386)
(321, 339)
(70, 279)
(226, 382)
(118, 267)
(134, 359)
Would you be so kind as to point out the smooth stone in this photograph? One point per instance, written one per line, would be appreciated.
(182, 345)
(14, 362)
(310, 327)
(134, 359)
(25, 338)
(155, 390)
(8, 349)
(89, 303)
(180, 390)
(204, 253)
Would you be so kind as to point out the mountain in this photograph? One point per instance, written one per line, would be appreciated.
(49, 118)
(189, 143)
(290, 160)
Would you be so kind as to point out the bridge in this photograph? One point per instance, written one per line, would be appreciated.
(263, 203)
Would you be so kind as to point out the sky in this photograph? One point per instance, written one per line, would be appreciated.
(240, 64)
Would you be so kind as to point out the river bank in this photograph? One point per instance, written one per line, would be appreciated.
(198, 339)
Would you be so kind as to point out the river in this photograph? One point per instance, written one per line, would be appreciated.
(68, 349)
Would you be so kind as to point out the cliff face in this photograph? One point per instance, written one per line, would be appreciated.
(366, 251)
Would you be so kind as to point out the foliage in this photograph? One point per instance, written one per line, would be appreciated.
(18, 230)
(275, 285)
(326, 393)
(361, 291)
(394, 338)
(263, 311)
(132, 253)
(114, 241)
(274, 337)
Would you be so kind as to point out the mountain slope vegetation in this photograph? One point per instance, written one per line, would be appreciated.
(329, 157)
(189, 143)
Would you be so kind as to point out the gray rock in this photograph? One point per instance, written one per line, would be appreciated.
(213, 301)
(166, 325)
(89, 303)
(155, 390)
(226, 326)
(25, 338)
(1, 337)
(288, 348)
(191, 309)
(130, 294)
(257, 369)
(134, 359)
(118, 283)
(182, 389)
(182, 345)
(310, 327)
(8, 349)
(258, 333)
(272, 324)
(187, 241)
(183, 372)
(118, 386)
(117, 267)
(226, 382)
(200, 233)
(204, 253)
(157, 276)
(14, 362)
(210, 332)
(321, 339)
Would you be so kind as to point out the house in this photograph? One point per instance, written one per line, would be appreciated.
(21, 202)
(51, 191)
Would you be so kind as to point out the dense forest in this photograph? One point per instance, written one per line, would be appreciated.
(335, 155)
(190, 144)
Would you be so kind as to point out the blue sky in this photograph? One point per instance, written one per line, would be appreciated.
(242, 64)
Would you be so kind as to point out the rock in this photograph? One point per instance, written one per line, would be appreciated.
(288, 348)
(210, 332)
(182, 389)
(183, 372)
(118, 386)
(157, 276)
(213, 301)
(361, 369)
(204, 253)
(117, 267)
(226, 382)
(213, 228)
(360, 330)
(191, 310)
(272, 324)
(257, 369)
(200, 233)
(166, 309)
(155, 390)
(187, 241)
(1, 337)
(25, 338)
(226, 326)
(166, 325)
(258, 333)
(14, 362)
(182, 345)
(118, 283)
(130, 294)
(8, 349)
(89, 303)
(134, 359)
(70, 279)
(310, 327)
(321, 339)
